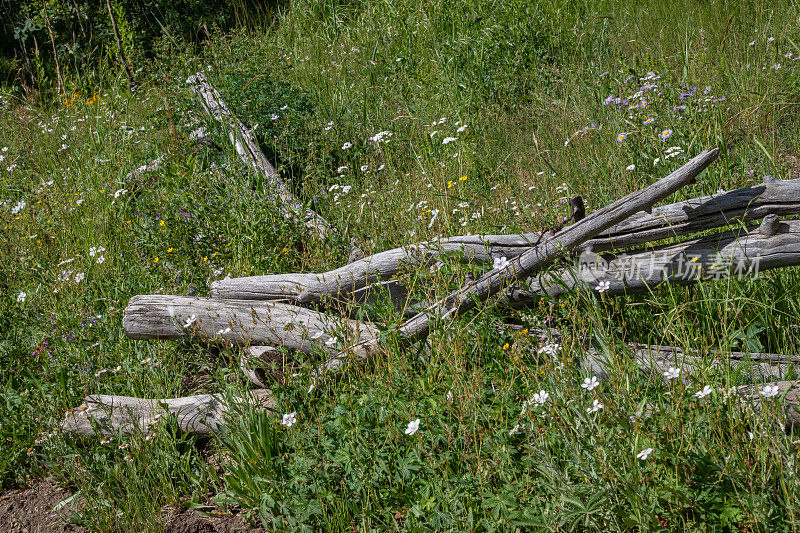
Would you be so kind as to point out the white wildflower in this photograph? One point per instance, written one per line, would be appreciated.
(769, 391)
(671, 373)
(590, 383)
(549, 349)
(412, 428)
(644, 453)
(500, 263)
(704, 392)
(540, 397)
(596, 406)
(289, 419)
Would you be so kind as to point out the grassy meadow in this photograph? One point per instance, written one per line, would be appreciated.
(400, 122)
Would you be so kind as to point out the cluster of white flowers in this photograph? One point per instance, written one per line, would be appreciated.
(500, 263)
(381, 137)
(549, 349)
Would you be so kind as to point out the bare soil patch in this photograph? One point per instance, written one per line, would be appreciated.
(44, 507)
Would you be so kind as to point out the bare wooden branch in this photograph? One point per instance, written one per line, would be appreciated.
(739, 253)
(750, 203)
(240, 322)
(247, 147)
(200, 415)
(535, 258)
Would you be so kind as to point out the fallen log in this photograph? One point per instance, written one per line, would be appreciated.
(654, 360)
(788, 392)
(241, 323)
(248, 150)
(200, 415)
(740, 253)
(255, 362)
(777, 197)
(534, 259)
(773, 196)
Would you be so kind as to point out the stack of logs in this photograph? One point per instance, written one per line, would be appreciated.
(294, 311)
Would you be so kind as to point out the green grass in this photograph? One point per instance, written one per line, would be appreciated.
(511, 82)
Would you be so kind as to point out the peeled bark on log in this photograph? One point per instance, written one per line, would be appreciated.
(200, 415)
(247, 147)
(240, 323)
(749, 203)
(535, 258)
(740, 253)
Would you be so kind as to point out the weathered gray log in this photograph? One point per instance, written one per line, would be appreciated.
(534, 259)
(750, 203)
(248, 150)
(788, 395)
(240, 323)
(200, 415)
(654, 360)
(773, 196)
(738, 253)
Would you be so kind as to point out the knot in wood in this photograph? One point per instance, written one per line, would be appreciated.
(770, 225)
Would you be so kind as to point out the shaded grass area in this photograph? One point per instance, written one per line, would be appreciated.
(400, 123)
